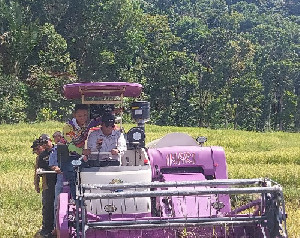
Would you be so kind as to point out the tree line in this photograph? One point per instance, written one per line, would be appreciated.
(208, 63)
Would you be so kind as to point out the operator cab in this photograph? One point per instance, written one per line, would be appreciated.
(108, 97)
(104, 97)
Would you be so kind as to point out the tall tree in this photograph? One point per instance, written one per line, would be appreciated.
(277, 54)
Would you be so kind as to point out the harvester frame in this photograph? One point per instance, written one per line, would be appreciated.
(183, 188)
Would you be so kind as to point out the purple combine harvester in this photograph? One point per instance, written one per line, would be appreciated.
(171, 187)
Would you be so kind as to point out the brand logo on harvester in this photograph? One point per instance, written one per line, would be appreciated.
(116, 181)
(180, 158)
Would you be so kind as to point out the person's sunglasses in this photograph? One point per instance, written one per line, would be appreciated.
(110, 125)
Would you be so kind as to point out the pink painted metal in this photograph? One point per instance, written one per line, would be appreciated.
(73, 91)
(62, 216)
(188, 156)
(190, 163)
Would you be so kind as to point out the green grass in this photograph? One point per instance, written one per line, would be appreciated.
(249, 155)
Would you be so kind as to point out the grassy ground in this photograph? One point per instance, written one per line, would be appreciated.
(249, 155)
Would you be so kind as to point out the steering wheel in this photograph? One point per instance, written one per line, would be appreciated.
(101, 153)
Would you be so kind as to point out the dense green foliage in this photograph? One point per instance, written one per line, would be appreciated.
(249, 155)
(209, 63)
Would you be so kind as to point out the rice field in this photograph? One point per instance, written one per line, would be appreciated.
(249, 155)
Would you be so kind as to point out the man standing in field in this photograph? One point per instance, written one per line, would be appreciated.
(54, 165)
(37, 149)
(48, 193)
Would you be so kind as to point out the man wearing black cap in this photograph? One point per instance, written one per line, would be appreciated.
(108, 139)
(37, 149)
(48, 193)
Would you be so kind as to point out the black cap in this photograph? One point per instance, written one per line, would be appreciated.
(35, 144)
(108, 119)
(44, 138)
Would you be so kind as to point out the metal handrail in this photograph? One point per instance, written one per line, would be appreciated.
(214, 182)
(171, 222)
(188, 192)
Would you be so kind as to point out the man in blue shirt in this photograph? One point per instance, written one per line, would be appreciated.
(53, 164)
